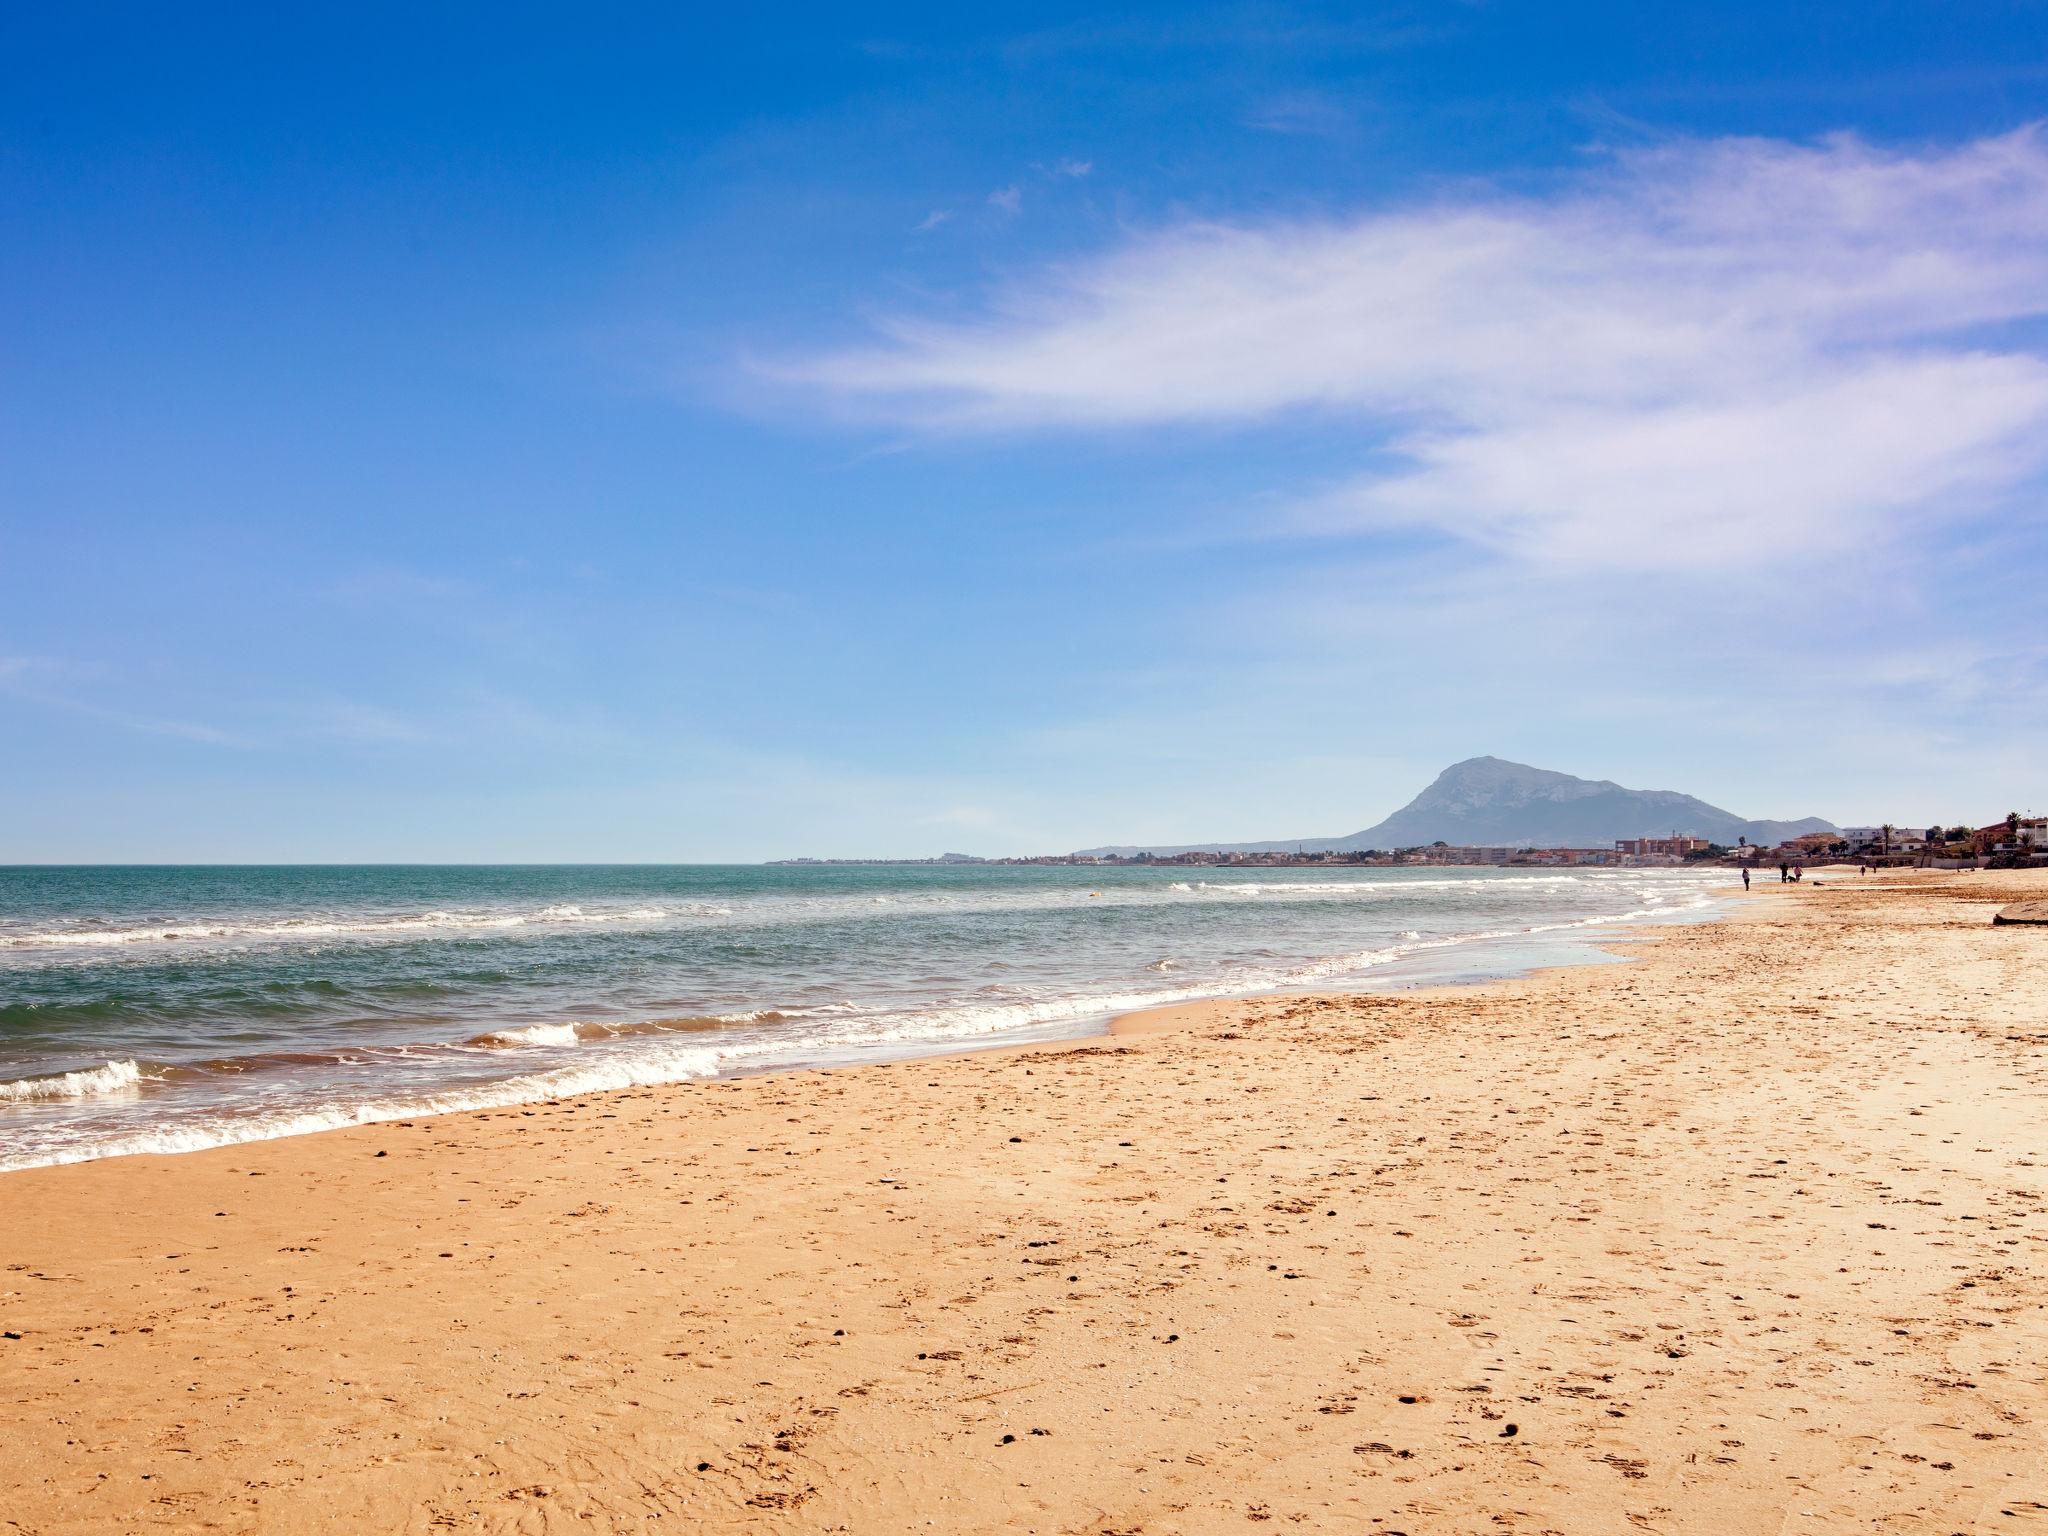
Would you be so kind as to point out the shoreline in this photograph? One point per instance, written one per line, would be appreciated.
(497, 1095)
(1167, 1017)
(1749, 1230)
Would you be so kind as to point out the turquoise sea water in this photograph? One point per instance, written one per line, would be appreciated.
(164, 1009)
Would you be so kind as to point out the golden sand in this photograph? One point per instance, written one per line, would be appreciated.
(1748, 1235)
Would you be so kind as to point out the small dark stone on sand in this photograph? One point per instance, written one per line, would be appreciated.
(1407, 1399)
(1016, 1138)
(383, 1154)
(10, 1334)
(703, 1466)
(838, 1333)
(1009, 1439)
(1072, 1279)
(1508, 1432)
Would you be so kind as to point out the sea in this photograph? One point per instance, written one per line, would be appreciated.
(166, 1009)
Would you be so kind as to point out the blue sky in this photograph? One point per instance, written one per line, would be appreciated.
(513, 432)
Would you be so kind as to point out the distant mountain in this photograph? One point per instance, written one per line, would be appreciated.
(1490, 802)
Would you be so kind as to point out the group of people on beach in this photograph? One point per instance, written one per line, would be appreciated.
(1788, 874)
(1792, 874)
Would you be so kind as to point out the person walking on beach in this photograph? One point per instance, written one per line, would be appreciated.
(1784, 873)
(1745, 877)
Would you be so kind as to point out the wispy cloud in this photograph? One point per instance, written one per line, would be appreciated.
(1696, 354)
(52, 684)
(1309, 113)
(1006, 199)
(390, 584)
(360, 724)
(933, 220)
(1272, 31)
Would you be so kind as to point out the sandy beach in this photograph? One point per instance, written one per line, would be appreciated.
(1745, 1235)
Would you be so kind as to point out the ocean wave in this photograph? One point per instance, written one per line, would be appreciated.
(95, 935)
(199, 1133)
(200, 930)
(86, 1083)
(530, 1034)
(1345, 887)
(578, 1031)
(940, 1025)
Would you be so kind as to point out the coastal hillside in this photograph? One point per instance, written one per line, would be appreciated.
(1490, 802)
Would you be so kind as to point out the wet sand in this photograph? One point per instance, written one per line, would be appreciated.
(1747, 1235)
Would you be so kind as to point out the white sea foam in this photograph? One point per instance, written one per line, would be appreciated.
(768, 910)
(1346, 887)
(943, 1024)
(672, 1065)
(577, 1031)
(200, 930)
(531, 1034)
(88, 1082)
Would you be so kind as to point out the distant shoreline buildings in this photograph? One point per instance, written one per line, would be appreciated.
(2015, 840)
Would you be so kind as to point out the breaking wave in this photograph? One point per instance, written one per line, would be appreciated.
(86, 1083)
(92, 935)
(202, 1132)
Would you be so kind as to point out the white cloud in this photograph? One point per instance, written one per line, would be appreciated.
(1300, 112)
(1006, 199)
(363, 724)
(51, 684)
(1805, 469)
(1074, 168)
(1706, 353)
(933, 220)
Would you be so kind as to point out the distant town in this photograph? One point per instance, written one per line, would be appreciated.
(2015, 841)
